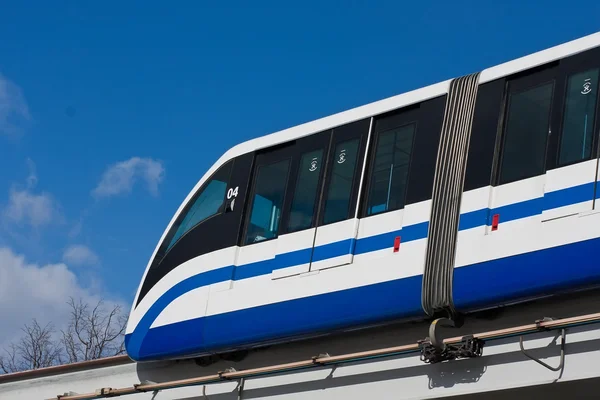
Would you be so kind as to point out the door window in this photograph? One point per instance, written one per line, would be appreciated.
(267, 201)
(390, 170)
(337, 205)
(578, 122)
(526, 133)
(305, 194)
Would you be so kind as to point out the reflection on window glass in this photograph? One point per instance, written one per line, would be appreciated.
(267, 201)
(305, 194)
(337, 205)
(207, 203)
(526, 133)
(390, 170)
(578, 123)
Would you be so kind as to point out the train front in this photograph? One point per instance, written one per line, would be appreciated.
(195, 253)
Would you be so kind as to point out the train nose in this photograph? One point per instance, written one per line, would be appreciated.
(130, 350)
(166, 341)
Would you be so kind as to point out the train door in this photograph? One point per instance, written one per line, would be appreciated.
(281, 211)
(572, 160)
(338, 210)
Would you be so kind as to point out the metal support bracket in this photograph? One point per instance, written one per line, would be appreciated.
(538, 323)
(434, 350)
(240, 388)
(227, 370)
(437, 342)
(562, 353)
(315, 359)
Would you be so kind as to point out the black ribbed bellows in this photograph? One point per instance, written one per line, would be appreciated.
(447, 190)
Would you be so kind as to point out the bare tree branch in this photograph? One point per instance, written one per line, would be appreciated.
(91, 333)
(94, 333)
(8, 362)
(35, 349)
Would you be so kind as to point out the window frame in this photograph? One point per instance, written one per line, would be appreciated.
(562, 114)
(270, 158)
(319, 187)
(374, 159)
(327, 186)
(568, 67)
(390, 121)
(360, 130)
(519, 83)
(164, 247)
(558, 71)
(293, 151)
(220, 211)
(482, 155)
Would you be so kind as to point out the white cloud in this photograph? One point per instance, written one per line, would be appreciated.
(34, 209)
(120, 177)
(80, 255)
(13, 107)
(29, 290)
(25, 206)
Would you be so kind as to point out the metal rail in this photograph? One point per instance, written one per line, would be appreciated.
(323, 360)
(64, 368)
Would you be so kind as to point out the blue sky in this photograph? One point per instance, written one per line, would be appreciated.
(111, 112)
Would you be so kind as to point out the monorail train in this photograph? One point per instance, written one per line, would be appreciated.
(469, 194)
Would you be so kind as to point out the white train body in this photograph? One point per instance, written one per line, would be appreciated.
(468, 194)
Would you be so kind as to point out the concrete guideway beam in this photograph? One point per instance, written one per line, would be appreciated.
(503, 366)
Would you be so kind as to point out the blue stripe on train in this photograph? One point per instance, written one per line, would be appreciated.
(417, 231)
(285, 319)
(568, 196)
(536, 273)
(489, 283)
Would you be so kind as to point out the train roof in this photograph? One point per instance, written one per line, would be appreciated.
(411, 97)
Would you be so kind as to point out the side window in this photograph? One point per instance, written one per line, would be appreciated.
(337, 203)
(305, 193)
(526, 132)
(208, 202)
(482, 144)
(267, 201)
(578, 123)
(390, 170)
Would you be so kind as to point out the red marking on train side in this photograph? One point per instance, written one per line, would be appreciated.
(396, 244)
(495, 220)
